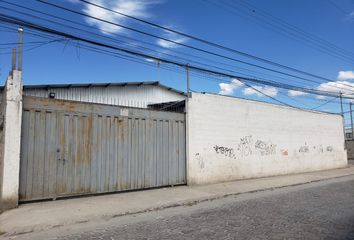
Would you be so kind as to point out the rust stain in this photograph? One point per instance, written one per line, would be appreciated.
(87, 136)
(120, 121)
(123, 124)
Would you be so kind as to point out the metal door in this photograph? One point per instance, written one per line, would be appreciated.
(72, 148)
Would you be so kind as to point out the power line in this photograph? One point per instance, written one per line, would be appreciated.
(337, 7)
(16, 43)
(321, 105)
(23, 23)
(136, 46)
(129, 58)
(297, 29)
(32, 48)
(22, 13)
(273, 23)
(267, 95)
(122, 36)
(283, 30)
(198, 39)
(184, 45)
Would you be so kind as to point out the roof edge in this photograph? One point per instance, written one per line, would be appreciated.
(87, 85)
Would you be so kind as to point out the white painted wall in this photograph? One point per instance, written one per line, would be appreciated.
(231, 138)
(10, 139)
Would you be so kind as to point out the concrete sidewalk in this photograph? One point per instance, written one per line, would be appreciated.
(46, 215)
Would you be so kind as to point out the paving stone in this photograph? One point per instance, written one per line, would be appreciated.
(324, 212)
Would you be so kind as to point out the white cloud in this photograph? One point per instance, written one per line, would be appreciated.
(229, 88)
(321, 97)
(345, 87)
(345, 75)
(341, 86)
(294, 93)
(135, 8)
(150, 60)
(351, 15)
(171, 36)
(267, 90)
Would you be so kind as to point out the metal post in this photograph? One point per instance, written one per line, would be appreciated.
(342, 113)
(20, 43)
(158, 70)
(187, 71)
(351, 119)
(13, 59)
(341, 103)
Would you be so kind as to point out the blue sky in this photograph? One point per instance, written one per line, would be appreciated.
(226, 22)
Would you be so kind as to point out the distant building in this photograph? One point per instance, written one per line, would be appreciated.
(150, 94)
(348, 134)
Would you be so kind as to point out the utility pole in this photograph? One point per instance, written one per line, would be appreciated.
(187, 71)
(341, 103)
(13, 68)
(158, 70)
(342, 113)
(351, 119)
(20, 45)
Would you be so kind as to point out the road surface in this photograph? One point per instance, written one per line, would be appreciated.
(322, 210)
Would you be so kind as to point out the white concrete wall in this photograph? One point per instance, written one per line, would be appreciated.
(10, 139)
(231, 138)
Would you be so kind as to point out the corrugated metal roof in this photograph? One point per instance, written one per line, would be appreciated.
(87, 85)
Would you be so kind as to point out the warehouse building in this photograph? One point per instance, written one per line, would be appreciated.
(129, 94)
(79, 139)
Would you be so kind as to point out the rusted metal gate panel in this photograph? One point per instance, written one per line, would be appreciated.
(72, 148)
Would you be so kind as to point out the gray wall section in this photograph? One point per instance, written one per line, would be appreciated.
(11, 111)
(131, 96)
(72, 148)
(350, 148)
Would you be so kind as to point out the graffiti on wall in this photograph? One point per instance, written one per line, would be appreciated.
(200, 161)
(245, 146)
(265, 148)
(318, 148)
(228, 152)
(329, 148)
(304, 149)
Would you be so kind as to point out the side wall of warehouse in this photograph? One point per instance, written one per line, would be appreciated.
(231, 138)
(130, 96)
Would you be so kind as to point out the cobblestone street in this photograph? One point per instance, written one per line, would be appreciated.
(323, 210)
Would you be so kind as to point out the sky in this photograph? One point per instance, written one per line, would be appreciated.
(328, 50)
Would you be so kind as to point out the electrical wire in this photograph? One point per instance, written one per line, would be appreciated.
(129, 38)
(200, 40)
(267, 23)
(67, 35)
(115, 48)
(31, 48)
(178, 43)
(22, 13)
(323, 104)
(297, 29)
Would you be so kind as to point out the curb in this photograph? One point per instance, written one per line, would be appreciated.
(190, 202)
